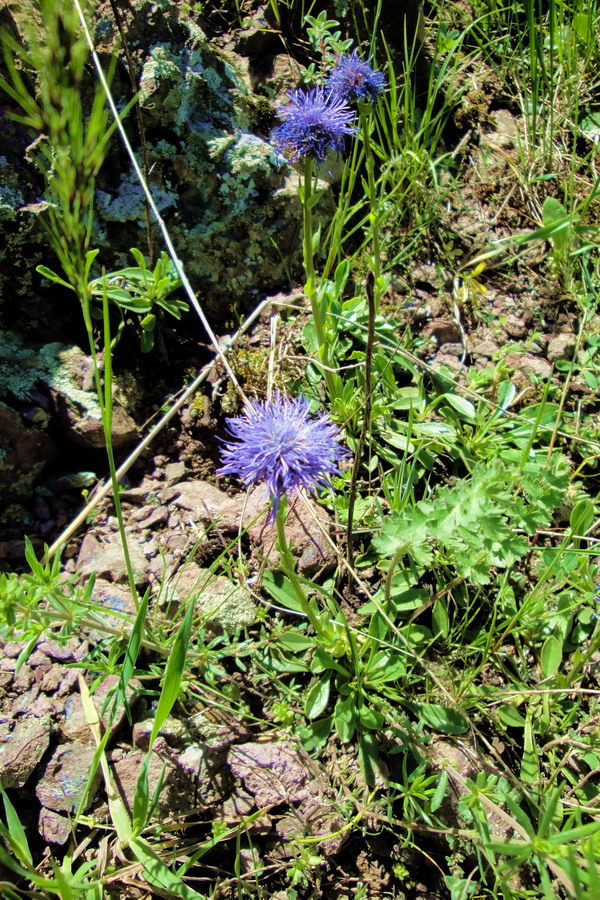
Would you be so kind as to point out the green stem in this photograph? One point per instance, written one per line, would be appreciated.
(375, 259)
(308, 201)
(288, 565)
(107, 427)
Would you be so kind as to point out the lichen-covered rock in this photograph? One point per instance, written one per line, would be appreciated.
(40, 387)
(227, 196)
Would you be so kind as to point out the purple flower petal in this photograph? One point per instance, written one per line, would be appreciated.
(278, 442)
(353, 79)
(314, 123)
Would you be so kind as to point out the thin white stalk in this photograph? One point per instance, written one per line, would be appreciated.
(106, 488)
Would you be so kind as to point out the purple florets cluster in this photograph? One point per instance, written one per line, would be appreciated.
(278, 442)
(319, 120)
(353, 79)
(314, 123)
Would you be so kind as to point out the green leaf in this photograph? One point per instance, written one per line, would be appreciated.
(317, 698)
(322, 661)
(345, 718)
(159, 875)
(554, 213)
(462, 406)
(281, 590)
(582, 516)
(530, 766)
(315, 736)
(509, 715)
(386, 665)
(368, 757)
(370, 718)
(295, 642)
(141, 798)
(440, 718)
(440, 619)
(506, 394)
(148, 323)
(440, 791)
(15, 833)
(341, 276)
(52, 276)
(174, 669)
(551, 656)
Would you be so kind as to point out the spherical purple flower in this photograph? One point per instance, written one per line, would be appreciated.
(278, 442)
(314, 123)
(353, 79)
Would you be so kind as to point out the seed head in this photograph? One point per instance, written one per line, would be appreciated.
(353, 79)
(279, 443)
(313, 123)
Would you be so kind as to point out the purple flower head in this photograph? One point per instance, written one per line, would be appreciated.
(278, 442)
(313, 123)
(353, 79)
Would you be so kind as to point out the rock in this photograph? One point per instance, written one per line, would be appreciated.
(443, 331)
(158, 516)
(76, 403)
(53, 828)
(24, 701)
(561, 347)
(515, 327)
(528, 366)
(462, 762)
(276, 773)
(174, 472)
(283, 774)
(452, 349)
(486, 348)
(449, 360)
(225, 192)
(503, 133)
(12, 649)
(208, 504)
(114, 608)
(188, 785)
(24, 451)
(174, 731)
(68, 651)
(66, 776)
(23, 750)
(303, 534)
(222, 603)
(105, 558)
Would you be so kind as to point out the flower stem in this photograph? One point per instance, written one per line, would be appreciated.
(288, 566)
(375, 259)
(308, 202)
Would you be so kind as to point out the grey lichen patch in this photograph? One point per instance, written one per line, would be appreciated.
(222, 603)
(20, 367)
(56, 365)
(71, 367)
(11, 196)
(129, 204)
(226, 605)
